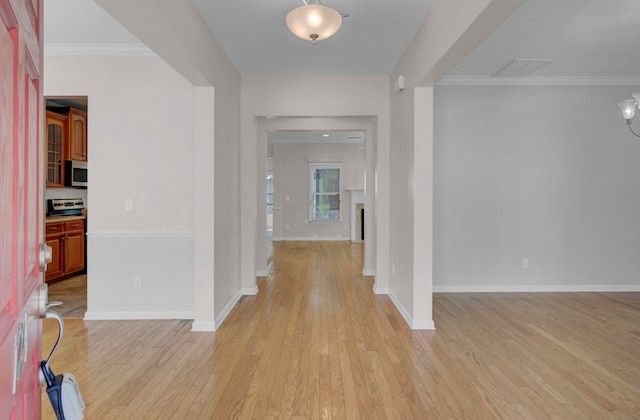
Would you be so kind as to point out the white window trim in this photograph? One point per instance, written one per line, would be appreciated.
(312, 167)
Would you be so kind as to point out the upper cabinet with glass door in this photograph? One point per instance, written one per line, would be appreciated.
(56, 131)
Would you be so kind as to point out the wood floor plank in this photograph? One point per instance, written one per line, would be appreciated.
(316, 342)
(72, 292)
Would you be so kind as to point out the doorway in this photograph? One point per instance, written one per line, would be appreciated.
(66, 201)
(285, 132)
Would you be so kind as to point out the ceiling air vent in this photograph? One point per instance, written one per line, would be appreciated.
(521, 67)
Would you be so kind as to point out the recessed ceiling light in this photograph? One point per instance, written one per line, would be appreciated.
(325, 135)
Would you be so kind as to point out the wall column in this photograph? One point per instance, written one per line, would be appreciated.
(203, 232)
(423, 209)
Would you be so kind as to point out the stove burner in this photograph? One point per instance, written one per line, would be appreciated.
(65, 207)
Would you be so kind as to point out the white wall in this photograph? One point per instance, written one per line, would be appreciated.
(449, 31)
(402, 209)
(192, 50)
(547, 173)
(228, 288)
(140, 134)
(291, 179)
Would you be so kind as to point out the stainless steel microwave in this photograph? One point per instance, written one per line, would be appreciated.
(75, 174)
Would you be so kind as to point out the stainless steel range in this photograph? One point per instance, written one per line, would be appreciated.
(65, 207)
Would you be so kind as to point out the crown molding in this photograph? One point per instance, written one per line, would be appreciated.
(52, 50)
(538, 81)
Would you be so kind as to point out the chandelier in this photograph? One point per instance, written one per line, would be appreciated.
(629, 110)
(313, 21)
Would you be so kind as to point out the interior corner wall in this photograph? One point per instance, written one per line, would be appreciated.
(401, 202)
(138, 147)
(449, 31)
(422, 183)
(204, 215)
(193, 51)
(228, 256)
(543, 173)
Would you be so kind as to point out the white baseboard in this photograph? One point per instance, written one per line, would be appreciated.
(311, 238)
(249, 291)
(227, 309)
(262, 273)
(368, 272)
(425, 324)
(414, 324)
(203, 326)
(536, 288)
(212, 326)
(119, 316)
(401, 309)
(380, 290)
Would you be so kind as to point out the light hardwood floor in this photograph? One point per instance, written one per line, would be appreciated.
(317, 343)
(72, 292)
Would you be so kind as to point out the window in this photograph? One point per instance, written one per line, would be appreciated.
(325, 192)
(269, 193)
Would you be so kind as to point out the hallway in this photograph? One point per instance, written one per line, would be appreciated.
(317, 343)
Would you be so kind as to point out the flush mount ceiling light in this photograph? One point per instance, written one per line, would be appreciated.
(628, 108)
(313, 21)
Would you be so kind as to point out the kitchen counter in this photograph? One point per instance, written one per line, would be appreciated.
(53, 219)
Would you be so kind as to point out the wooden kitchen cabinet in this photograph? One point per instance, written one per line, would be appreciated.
(74, 246)
(54, 237)
(77, 132)
(66, 240)
(56, 135)
(66, 140)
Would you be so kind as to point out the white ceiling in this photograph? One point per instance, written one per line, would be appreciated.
(316, 136)
(63, 25)
(584, 38)
(370, 41)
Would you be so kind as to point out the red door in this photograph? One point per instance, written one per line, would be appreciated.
(21, 208)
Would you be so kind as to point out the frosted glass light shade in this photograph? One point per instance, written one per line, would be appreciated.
(313, 22)
(628, 108)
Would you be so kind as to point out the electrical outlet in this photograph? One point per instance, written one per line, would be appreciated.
(525, 263)
(393, 269)
(137, 282)
(286, 227)
(128, 204)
